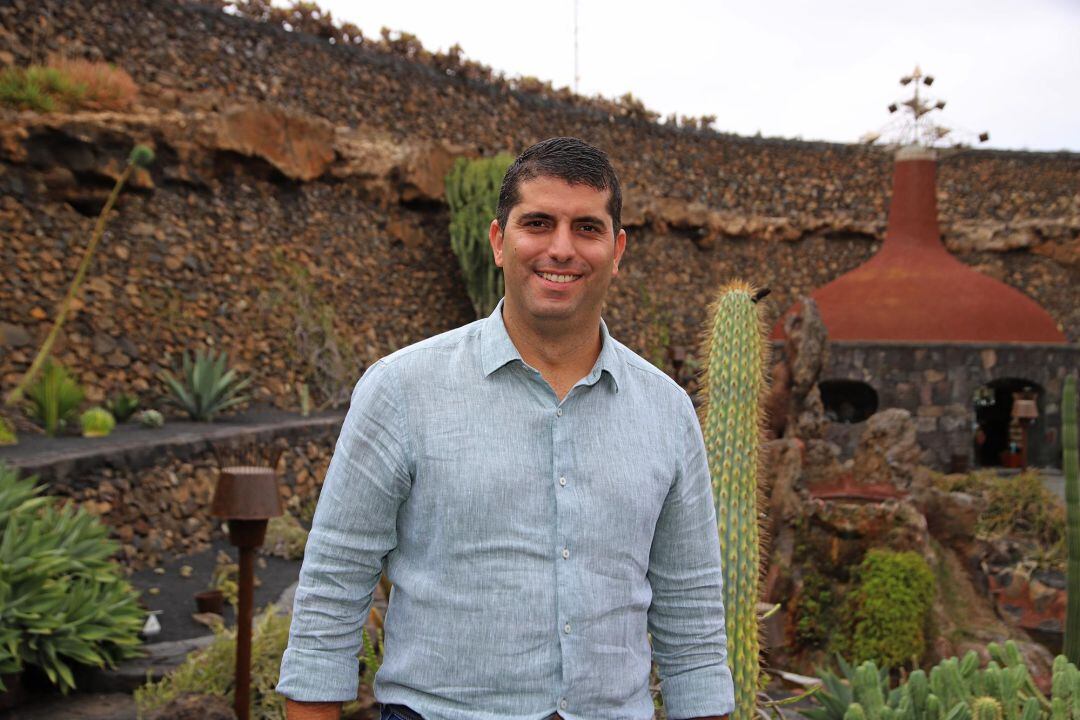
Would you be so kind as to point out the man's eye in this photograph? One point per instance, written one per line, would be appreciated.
(589, 228)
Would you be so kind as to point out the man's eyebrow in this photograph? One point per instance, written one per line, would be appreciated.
(534, 215)
(592, 220)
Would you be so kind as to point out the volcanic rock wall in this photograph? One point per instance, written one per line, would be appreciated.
(295, 211)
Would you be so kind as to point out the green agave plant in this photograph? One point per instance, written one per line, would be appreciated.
(63, 602)
(207, 385)
(54, 397)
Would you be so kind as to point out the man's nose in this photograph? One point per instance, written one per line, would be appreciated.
(562, 247)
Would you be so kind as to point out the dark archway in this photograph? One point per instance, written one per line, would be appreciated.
(848, 401)
(997, 437)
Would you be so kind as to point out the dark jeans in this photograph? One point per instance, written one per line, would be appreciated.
(398, 712)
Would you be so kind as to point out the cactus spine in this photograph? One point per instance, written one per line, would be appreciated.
(734, 383)
(472, 191)
(1071, 647)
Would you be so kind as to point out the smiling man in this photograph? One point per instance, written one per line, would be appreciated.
(537, 494)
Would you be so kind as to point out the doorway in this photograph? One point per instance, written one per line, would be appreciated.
(999, 436)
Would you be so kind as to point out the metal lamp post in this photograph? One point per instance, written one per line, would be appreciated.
(247, 497)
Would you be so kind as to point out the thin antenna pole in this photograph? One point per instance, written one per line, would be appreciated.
(577, 75)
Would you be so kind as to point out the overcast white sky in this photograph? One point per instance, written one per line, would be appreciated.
(815, 69)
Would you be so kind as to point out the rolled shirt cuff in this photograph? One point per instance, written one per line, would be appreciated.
(699, 693)
(318, 676)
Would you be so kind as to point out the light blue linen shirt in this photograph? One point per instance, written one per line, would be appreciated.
(532, 544)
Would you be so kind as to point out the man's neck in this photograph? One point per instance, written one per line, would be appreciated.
(562, 355)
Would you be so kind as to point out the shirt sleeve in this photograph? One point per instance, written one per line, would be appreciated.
(686, 618)
(353, 530)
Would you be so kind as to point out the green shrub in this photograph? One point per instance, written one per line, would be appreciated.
(54, 397)
(472, 191)
(97, 422)
(122, 406)
(207, 385)
(62, 600)
(41, 89)
(1021, 506)
(285, 537)
(887, 609)
(210, 671)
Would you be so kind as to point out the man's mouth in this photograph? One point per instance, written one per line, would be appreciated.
(558, 278)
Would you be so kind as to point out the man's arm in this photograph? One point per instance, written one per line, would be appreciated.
(353, 530)
(686, 618)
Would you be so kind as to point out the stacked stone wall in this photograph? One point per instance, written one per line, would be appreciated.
(208, 252)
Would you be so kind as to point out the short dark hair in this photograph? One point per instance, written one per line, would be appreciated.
(566, 158)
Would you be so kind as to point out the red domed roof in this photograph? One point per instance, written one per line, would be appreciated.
(913, 289)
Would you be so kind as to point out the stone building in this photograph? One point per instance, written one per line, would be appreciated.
(917, 329)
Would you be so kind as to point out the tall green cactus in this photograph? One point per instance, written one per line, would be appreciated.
(1071, 647)
(734, 385)
(472, 191)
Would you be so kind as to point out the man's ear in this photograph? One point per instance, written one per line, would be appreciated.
(495, 235)
(620, 246)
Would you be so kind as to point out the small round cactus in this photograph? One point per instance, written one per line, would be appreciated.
(97, 422)
(150, 418)
(985, 708)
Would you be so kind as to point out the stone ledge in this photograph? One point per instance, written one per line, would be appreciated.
(133, 447)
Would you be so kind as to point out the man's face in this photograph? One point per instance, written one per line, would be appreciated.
(558, 253)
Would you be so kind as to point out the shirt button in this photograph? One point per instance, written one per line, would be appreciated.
(558, 412)
(562, 481)
(563, 704)
(566, 628)
(566, 553)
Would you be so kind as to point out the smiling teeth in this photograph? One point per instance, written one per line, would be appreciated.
(558, 278)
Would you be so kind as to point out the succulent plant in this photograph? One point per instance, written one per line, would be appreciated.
(734, 385)
(957, 689)
(62, 600)
(97, 422)
(122, 406)
(8, 435)
(472, 191)
(1071, 647)
(207, 385)
(54, 398)
(150, 418)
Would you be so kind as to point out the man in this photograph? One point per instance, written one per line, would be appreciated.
(537, 494)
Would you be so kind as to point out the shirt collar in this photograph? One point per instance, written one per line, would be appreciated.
(497, 349)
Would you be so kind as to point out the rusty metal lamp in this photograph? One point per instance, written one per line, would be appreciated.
(247, 497)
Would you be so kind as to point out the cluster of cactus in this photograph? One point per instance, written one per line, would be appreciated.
(472, 191)
(734, 378)
(955, 689)
(1072, 518)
